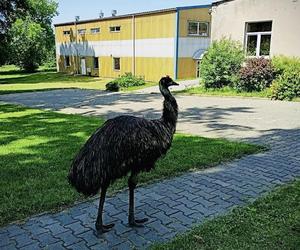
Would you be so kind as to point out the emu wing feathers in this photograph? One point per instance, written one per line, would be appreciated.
(122, 144)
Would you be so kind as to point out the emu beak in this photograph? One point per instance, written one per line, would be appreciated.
(175, 84)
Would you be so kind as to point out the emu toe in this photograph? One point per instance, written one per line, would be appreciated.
(137, 223)
(104, 228)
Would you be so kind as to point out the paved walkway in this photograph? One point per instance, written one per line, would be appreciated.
(172, 207)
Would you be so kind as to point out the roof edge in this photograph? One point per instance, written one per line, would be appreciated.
(216, 3)
(144, 13)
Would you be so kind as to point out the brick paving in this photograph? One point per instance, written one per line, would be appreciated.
(175, 205)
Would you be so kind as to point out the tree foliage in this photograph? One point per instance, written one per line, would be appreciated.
(28, 44)
(36, 15)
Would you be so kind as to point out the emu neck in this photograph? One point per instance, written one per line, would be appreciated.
(170, 108)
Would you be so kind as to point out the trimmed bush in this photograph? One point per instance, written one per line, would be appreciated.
(256, 75)
(112, 86)
(221, 63)
(128, 80)
(286, 86)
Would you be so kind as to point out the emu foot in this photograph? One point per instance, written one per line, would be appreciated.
(104, 228)
(137, 223)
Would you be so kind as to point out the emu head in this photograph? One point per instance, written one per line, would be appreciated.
(167, 82)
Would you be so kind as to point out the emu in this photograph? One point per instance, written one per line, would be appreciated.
(124, 144)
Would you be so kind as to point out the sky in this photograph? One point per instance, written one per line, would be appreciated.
(89, 9)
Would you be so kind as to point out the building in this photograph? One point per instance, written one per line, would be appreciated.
(264, 27)
(148, 44)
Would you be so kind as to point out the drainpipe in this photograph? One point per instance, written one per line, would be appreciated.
(133, 45)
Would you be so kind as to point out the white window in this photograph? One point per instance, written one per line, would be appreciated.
(96, 62)
(115, 28)
(116, 62)
(258, 38)
(81, 31)
(66, 32)
(67, 61)
(95, 30)
(196, 28)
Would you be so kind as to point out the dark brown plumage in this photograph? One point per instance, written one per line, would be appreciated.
(124, 144)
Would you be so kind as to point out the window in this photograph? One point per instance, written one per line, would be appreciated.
(81, 31)
(96, 63)
(197, 28)
(95, 30)
(67, 61)
(66, 32)
(115, 29)
(116, 61)
(258, 38)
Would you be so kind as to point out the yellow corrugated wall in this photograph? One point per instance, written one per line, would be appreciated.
(187, 66)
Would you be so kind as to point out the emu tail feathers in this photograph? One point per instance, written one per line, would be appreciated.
(85, 176)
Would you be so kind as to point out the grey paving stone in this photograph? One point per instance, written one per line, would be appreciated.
(57, 228)
(45, 239)
(33, 246)
(55, 246)
(23, 240)
(68, 238)
(77, 228)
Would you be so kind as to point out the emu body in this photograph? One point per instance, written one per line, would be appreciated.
(124, 144)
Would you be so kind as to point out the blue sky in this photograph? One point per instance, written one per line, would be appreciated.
(89, 9)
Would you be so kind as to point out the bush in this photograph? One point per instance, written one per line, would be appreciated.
(112, 86)
(256, 75)
(286, 86)
(128, 80)
(221, 63)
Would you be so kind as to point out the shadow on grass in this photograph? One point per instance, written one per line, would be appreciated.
(45, 77)
(37, 147)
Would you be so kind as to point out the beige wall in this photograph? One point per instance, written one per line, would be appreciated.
(228, 20)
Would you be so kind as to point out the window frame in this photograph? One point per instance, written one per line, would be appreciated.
(79, 32)
(198, 28)
(114, 68)
(93, 29)
(66, 32)
(258, 34)
(95, 63)
(114, 27)
(65, 61)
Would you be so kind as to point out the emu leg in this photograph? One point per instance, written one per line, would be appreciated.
(99, 223)
(132, 181)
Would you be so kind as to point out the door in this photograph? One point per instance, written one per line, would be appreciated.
(83, 66)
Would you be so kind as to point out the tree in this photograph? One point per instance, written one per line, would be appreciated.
(28, 44)
(39, 11)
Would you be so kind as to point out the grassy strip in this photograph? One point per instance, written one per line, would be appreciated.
(13, 80)
(271, 222)
(37, 147)
(224, 92)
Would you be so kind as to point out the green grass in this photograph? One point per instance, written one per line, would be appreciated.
(271, 222)
(13, 80)
(37, 147)
(200, 90)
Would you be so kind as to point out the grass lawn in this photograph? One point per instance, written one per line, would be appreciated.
(271, 222)
(13, 80)
(224, 92)
(37, 147)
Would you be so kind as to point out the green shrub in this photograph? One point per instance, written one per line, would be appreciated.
(129, 80)
(256, 75)
(286, 86)
(112, 86)
(221, 63)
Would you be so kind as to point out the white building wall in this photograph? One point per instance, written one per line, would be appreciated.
(228, 20)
